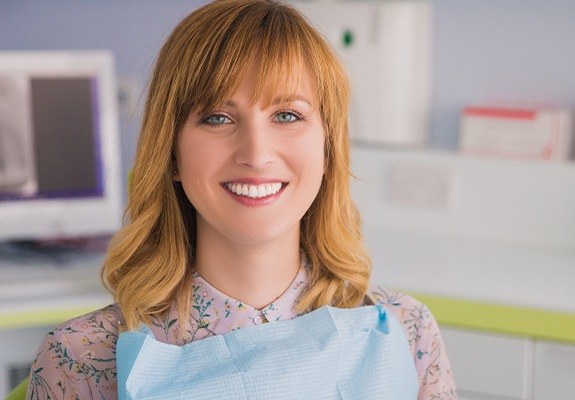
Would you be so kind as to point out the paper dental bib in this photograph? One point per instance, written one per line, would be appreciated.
(329, 354)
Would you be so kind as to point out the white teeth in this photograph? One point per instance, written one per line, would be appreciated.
(254, 191)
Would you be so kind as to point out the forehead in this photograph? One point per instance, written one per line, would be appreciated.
(267, 86)
(264, 81)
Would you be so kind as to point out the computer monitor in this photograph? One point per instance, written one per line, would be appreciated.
(59, 145)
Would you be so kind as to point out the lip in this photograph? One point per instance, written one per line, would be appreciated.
(255, 181)
(255, 202)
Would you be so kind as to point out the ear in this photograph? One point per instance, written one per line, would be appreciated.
(175, 171)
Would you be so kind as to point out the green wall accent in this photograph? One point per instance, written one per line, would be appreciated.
(42, 317)
(512, 320)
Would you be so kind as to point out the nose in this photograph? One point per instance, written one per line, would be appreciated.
(254, 145)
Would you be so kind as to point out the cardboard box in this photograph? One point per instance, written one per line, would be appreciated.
(536, 134)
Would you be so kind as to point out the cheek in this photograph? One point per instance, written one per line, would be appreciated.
(314, 152)
(196, 157)
(310, 159)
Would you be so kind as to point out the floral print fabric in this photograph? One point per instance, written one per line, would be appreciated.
(77, 360)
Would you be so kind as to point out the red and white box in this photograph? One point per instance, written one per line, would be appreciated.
(520, 133)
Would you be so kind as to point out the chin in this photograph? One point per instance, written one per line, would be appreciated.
(256, 236)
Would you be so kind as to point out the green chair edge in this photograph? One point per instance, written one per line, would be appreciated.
(19, 392)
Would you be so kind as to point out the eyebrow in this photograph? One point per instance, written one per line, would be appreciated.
(289, 99)
(276, 101)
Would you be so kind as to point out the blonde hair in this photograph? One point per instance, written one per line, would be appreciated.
(150, 261)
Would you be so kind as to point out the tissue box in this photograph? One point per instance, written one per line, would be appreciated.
(541, 134)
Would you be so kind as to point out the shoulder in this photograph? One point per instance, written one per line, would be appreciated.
(87, 335)
(392, 298)
(425, 342)
(414, 316)
(93, 335)
(108, 318)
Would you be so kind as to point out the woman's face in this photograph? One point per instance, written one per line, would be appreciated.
(252, 172)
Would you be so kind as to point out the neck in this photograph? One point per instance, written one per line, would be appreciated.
(256, 274)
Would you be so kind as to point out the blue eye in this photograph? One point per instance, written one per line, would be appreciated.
(217, 119)
(286, 117)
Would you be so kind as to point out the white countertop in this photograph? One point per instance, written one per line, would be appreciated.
(465, 269)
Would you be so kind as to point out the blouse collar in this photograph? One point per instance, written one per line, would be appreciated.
(220, 313)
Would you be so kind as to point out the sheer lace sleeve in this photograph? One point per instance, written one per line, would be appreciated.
(55, 373)
(78, 359)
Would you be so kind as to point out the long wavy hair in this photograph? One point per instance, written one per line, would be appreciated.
(149, 265)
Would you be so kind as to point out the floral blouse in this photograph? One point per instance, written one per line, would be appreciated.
(78, 361)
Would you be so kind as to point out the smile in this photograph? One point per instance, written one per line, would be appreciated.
(254, 191)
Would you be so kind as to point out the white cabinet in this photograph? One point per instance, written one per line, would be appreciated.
(487, 366)
(554, 377)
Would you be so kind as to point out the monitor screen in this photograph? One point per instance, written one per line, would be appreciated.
(59, 145)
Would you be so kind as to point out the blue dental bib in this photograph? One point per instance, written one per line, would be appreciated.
(329, 353)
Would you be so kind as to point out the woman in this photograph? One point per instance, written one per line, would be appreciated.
(239, 211)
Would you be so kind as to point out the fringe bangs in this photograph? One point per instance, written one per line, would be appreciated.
(259, 37)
